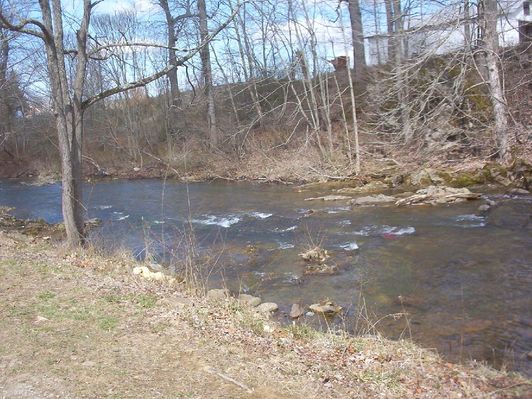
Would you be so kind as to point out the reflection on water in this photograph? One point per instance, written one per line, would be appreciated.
(463, 279)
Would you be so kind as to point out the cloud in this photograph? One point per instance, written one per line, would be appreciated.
(112, 6)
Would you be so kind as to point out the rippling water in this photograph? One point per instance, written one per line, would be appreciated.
(463, 279)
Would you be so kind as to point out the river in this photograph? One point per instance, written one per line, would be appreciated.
(464, 279)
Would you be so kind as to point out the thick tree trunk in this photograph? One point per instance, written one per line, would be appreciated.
(357, 35)
(70, 151)
(207, 73)
(500, 109)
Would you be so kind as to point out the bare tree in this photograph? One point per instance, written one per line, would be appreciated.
(68, 93)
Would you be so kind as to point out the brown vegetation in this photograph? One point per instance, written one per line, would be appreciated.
(132, 137)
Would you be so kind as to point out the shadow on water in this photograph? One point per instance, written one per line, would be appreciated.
(462, 280)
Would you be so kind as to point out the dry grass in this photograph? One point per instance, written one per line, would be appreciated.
(81, 325)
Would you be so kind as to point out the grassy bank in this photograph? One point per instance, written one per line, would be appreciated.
(81, 325)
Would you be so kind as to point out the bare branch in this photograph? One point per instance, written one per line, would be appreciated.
(144, 81)
(137, 44)
(20, 27)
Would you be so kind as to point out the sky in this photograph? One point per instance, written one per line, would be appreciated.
(331, 31)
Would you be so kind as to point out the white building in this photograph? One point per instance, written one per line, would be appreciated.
(445, 31)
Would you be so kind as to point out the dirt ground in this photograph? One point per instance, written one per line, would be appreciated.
(78, 325)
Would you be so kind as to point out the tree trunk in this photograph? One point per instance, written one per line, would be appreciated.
(70, 150)
(4, 56)
(390, 29)
(500, 110)
(172, 59)
(207, 73)
(5, 109)
(467, 26)
(357, 35)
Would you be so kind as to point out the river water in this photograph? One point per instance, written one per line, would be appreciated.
(465, 280)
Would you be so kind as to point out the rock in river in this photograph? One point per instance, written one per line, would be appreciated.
(316, 254)
(373, 200)
(297, 311)
(484, 208)
(438, 195)
(327, 308)
(320, 268)
(518, 191)
(329, 198)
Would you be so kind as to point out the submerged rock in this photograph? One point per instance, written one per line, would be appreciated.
(490, 202)
(373, 200)
(218, 294)
(475, 326)
(249, 300)
(308, 212)
(328, 308)
(409, 301)
(483, 208)
(297, 311)
(518, 191)
(321, 269)
(329, 198)
(438, 195)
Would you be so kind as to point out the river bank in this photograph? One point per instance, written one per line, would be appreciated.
(295, 167)
(83, 325)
